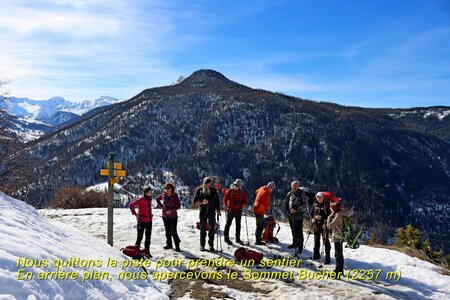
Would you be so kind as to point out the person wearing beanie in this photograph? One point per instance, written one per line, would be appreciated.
(144, 219)
(260, 207)
(234, 201)
(296, 204)
(170, 203)
(319, 213)
(207, 197)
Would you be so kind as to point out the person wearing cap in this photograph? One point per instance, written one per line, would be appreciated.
(170, 203)
(319, 213)
(296, 203)
(260, 207)
(207, 197)
(144, 219)
(234, 201)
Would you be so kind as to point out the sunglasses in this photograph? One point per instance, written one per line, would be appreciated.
(167, 187)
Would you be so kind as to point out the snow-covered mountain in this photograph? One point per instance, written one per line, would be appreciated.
(80, 233)
(52, 113)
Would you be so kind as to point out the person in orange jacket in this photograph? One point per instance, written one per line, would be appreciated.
(260, 207)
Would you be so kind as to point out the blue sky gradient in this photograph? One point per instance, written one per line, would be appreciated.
(362, 53)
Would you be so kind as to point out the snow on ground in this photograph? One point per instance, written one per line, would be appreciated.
(419, 279)
(25, 233)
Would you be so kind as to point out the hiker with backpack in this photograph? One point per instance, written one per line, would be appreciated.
(234, 202)
(335, 223)
(297, 208)
(144, 219)
(319, 214)
(170, 203)
(260, 207)
(207, 197)
(296, 192)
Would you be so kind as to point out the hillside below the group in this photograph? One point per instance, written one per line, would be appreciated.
(391, 165)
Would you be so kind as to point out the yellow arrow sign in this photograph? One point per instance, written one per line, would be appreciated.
(120, 173)
(118, 166)
(104, 172)
(114, 180)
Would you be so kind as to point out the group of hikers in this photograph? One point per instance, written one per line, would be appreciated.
(326, 216)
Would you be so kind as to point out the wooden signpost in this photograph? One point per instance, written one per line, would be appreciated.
(113, 171)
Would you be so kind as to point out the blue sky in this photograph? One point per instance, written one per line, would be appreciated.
(363, 53)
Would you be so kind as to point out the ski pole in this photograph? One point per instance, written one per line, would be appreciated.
(246, 228)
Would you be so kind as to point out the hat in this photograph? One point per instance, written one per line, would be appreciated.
(319, 194)
(147, 189)
(238, 182)
(207, 180)
(271, 185)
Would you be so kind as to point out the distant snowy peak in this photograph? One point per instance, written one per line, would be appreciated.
(179, 80)
(45, 109)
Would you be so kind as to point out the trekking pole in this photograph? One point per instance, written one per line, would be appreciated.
(219, 236)
(246, 228)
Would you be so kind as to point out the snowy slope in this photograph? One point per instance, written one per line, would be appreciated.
(420, 280)
(24, 233)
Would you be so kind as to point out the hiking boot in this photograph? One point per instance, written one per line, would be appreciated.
(291, 246)
(260, 243)
(228, 241)
(202, 248)
(147, 253)
(177, 248)
(239, 242)
(167, 247)
(327, 261)
(211, 249)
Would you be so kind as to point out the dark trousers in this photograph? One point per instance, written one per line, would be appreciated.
(259, 228)
(230, 216)
(321, 235)
(298, 233)
(291, 224)
(211, 220)
(141, 228)
(339, 255)
(170, 225)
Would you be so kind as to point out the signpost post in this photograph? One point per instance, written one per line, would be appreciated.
(113, 172)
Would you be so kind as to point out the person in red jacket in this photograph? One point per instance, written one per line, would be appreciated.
(260, 207)
(144, 218)
(234, 201)
(170, 203)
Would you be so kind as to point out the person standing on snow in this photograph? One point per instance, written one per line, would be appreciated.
(260, 207)
(294, 192)
(234, 201)
(144, 219)
(319, 213)
(335, 223)
(170, 203)
(207, 198)
(297, 208)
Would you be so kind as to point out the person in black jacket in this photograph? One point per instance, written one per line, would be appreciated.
(319, 213)
(207, 198)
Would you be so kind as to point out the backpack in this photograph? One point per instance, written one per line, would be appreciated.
(134, 252)
(328, 196)
(286, 204)
(350, 234)
(245, 253)
(268, 225)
